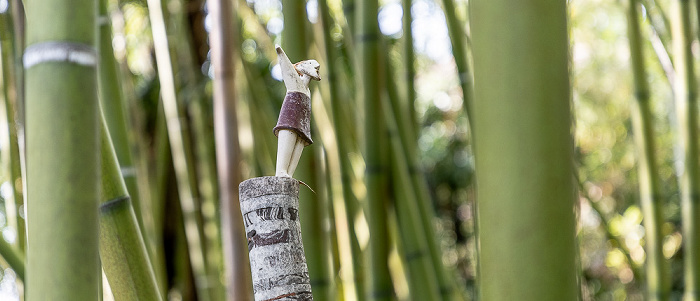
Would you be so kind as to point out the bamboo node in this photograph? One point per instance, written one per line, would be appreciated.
(60, 51)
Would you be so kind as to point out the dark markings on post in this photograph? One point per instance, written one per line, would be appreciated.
(293, 213)
(281, 280)
(263, 214)
(267, 239)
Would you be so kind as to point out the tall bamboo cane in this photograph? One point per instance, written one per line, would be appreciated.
(685, 92)
(10, 89)
(524, 151)
(111, 100)
(62, 145)
(343, 145)
(459, 51)
(122, 247)
(367, 43)
(178, 146)
(239, 284)
(650, 192)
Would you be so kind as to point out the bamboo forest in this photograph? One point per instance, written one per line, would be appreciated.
(349, 150)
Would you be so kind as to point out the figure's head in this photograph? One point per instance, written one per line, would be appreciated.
(308, 68)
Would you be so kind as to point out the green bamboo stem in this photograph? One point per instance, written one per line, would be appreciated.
(13, 258)
(524, 153)
(423, 283)
(343, 146)
(312, 206)
(407, 146)
(122, 248)
(409, 65)
(685, 92)
(10, 91)
(459, 51)
(228, 157)
(112, 102)
(657, 271)
(379, 286)
(62, 116)
(188, 199)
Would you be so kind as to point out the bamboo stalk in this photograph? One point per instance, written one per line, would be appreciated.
(423, 280)
(237, 268)
(459, 51)
(178, 146)
(111, 100)
(409, 65)
(407, 148)
(657, 271)
(343, 146)
(10, 85)
(685, 92)
(62, 116)
(524, 154)
(13, 257)
(367, 42)
(123, 249)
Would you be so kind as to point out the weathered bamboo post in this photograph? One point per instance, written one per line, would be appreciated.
(270, 205)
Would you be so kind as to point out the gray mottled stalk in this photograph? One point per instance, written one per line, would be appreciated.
(62, 116)
(270, 210)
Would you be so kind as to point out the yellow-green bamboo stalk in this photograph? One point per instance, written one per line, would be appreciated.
(13, 258)
(10, 86)
(408, 146)
(112, 102)
(63, 117)
(379, 286)
(459, 51)
(188, 200)
(228, 157)
(685, 92)
(657, 272)
(122, 248)
(422, 277)
(524, 153)
(343, 145)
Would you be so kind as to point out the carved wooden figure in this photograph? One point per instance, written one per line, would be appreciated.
(293, 128)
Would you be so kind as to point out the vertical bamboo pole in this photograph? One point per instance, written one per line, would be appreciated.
(657, 271)
(422, 277)
(295, 42)
(112, 102)
(188, 201)
(10, 89)
(524, 151)
(62, 116)
(228, 153)
(409, 65)
(367, 41)
(343, 146)
(459, 51)
(123, 250)
(685, 92)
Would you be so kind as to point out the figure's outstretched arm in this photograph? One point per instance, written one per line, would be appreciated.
(291, 77)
